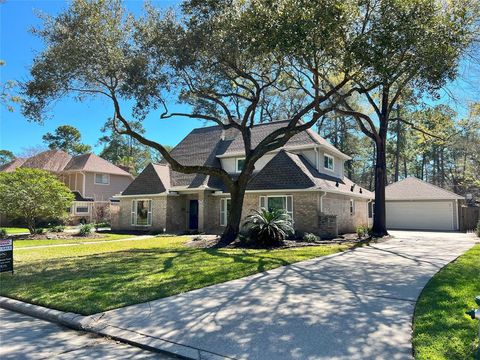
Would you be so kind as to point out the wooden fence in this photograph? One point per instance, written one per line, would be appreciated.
(468, 217)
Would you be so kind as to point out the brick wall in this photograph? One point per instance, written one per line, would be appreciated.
(339, 205)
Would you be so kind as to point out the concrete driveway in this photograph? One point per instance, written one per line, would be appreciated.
(354, 305)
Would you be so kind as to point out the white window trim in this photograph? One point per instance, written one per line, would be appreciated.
(333, 162)
(223, 213)
(76, 206)
(352, 207)
(133, 214)
(236, 164)
(275, 196)
(95, 179)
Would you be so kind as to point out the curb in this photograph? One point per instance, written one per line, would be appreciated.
(93, 324)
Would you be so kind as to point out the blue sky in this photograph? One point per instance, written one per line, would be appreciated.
(18, 47)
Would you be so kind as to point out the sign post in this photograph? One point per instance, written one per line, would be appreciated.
(6, 255)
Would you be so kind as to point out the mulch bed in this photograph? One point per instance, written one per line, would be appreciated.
(211, 241)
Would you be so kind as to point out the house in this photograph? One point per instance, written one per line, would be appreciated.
(305, 178)
(414, 204)
(93, 180)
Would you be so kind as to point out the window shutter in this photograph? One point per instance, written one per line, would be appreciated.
(263, 202)
(222, 211)
(149, 214)
(133, 217)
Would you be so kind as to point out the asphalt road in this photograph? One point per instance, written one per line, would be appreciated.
(25, 337)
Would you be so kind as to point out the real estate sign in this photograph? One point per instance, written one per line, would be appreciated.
(6, 255)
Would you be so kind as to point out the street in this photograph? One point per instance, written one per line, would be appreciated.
(25, 337)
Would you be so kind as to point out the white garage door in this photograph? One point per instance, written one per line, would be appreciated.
(420, 215)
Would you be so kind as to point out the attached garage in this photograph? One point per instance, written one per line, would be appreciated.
(412, 204)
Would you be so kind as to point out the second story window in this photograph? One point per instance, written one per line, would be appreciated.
(239, 163)
(328, 162)
(102, 179)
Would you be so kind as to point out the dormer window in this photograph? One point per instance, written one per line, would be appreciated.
(239, 164)
(328, 162)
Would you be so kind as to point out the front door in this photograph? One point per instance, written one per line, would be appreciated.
(193, 215)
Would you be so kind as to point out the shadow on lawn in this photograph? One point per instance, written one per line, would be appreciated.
(90, 284)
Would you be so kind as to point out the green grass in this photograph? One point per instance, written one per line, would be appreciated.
(88, 279)
(77, 240)
(15, 230)
(441, 330)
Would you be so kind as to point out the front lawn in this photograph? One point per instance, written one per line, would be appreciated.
(77, 240)
(441, 330)
(88, 279)
(15, 230)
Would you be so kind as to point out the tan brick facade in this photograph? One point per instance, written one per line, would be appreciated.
(172, 212)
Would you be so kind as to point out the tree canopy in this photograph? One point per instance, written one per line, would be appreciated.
(6, 156)
(234, 63)
(68, 139)
(33, 194)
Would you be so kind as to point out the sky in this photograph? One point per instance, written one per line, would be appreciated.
(18, 48)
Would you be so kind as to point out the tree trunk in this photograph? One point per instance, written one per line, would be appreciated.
(237, 194)
(379, 220)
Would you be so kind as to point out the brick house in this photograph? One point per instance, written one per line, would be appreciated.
(92, 180)
(305, 177)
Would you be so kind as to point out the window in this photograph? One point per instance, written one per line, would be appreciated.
(352, 207)
(328, 162)
(102, 179)
(370, 209)
(142, 212)
(282, 202)
(225, 206)
(239, 164)
(81, 209)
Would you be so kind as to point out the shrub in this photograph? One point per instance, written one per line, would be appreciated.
(3, 233)
(39, 231)
(478, 229)
(362, 230)
(33, 194)
(85, 229)
(309, 237)
(57, 228)
(269, 227)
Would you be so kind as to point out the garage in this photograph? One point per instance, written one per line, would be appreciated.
(412, 204)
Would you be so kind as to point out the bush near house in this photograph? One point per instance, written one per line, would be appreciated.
(478, 229)
(269, 228)
(33, 194)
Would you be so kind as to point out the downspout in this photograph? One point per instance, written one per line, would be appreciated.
(321, 200)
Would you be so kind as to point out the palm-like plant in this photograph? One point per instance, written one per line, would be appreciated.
(269, 227)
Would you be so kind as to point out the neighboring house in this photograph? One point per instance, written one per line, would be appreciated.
(93, 180)
(305, 178)
(414, 204)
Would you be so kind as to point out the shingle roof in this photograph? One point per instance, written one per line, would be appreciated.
(12, 165)
(282, 172)
(199, 147)
(58, 161)
(93, 163)
(292, 171)
(234, 142)
(412, 188)
(50, 160)
(154, 179)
